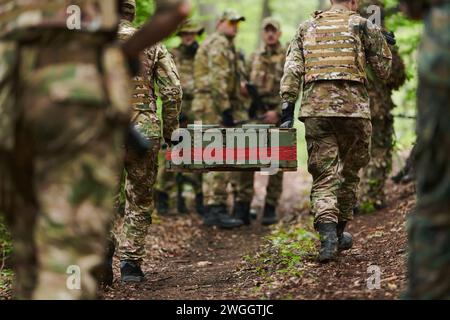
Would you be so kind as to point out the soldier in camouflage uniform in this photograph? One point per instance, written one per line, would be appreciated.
(429, 225)
(372, 195)
(67, 172)
(266, 71)
(158, 69)
(184, 56)
(328, 55)
(217, 99)
(73, 84)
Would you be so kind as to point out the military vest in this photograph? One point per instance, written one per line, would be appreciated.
(332, 48)
(143, 90)
(24, 18)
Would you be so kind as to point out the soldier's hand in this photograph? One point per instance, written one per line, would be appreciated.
(271, 117)
(287, 116)
(227, 118)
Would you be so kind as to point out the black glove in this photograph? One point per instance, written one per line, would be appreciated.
(287, 116)
(390, 37)
(137, 141)
(227, 118)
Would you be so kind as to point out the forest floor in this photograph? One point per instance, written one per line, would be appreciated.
(187, 261)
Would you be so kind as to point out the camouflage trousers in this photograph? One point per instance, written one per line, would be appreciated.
(375, 175)
(141, 175)
(215, 187)
(274, 189)
(63, 168)
(167, 181)
(429, 226)
(337, 149)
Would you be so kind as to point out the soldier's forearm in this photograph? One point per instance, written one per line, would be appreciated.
(165, 22)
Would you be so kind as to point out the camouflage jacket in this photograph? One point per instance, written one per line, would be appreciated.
(184, 60)
(380, 92)
(266, 71)
(217, 72)
(158, 69)
(335, 98)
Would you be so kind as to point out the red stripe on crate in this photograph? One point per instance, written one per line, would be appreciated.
(284, 154)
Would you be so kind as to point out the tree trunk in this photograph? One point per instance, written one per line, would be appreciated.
(208, 13)
(266, 12)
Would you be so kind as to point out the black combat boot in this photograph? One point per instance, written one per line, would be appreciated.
(345, 239)
(217, 215)
(270, 215)
(328, 241)
(107, 276)
(242, 212)
(162, 203)
(199, 204)
(130, 271)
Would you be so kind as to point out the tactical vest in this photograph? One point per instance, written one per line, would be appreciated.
(332, 49)
(143, 98)
(24, 18)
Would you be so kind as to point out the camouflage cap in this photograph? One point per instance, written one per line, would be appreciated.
(270, 21)
(231, 15)
(190, 26)
(128, 6)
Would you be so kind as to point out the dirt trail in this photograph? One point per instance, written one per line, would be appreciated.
(187, 261)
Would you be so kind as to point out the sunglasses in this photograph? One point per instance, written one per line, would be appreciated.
(234, 23)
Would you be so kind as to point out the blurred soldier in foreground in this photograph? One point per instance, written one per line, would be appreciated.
(217, 99)
(381, 105)
(184, 56)
(157, 70)
(266, 71)
(429, 225)
(329, 55)
(66, 106)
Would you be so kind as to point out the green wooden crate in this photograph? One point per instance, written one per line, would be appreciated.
(249, 148)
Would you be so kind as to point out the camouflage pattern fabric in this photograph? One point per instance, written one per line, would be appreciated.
(140, 178)
(217, 79)
(217, 76)
(65, 175)
(158, 69)
(184, 60)
(429, 226)
(337, 149)
(27, 19)
(374, 176)
(335, 98)
(266, 71)
(242, 184)
(342, 141)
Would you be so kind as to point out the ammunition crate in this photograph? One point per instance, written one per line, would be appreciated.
(249, 148)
